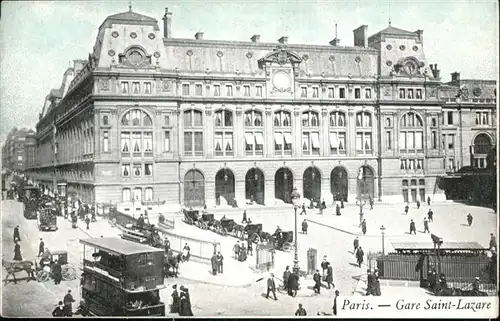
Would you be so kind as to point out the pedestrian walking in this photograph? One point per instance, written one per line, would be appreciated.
(185, 303)
(376, 283)
(412, 227)
(428, 201)
(329, 276)
(250, 247)
(244, 220)
(355, 244)
(493, 241)
(68, 304)
(17, 237)
(293, 284)
(323, 204)
(469, 219)
(363, 226)
(317, 282)
(59, 310)
(430, 215)
(271, 287)
(87, 221)
(41, 248)
(220, 262)
(324, 267)
(17, 252)
(406, 209)
(167, 245)
(341, 203)
(304, 227)
(426, 225)
(337, 210)
(57, 272)
(140, 222)
(236, 250)
(369, 283)
(213, 260)
(360, 255)
(335, 302)
(300, 311)
(174, 307)
(320, 210)
(186, 252)
(371, 203)
(303, 209)
(418, 204)
(286, 276)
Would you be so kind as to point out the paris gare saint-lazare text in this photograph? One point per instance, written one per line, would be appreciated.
(429, 304)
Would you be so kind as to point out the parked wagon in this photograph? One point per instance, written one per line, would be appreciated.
(206, 222)
(191, 216)
(283, 240)
(254, 233)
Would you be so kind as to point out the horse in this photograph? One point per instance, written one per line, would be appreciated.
(14, 267)
(171, 265)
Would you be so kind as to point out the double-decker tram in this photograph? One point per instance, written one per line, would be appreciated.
(121, 278)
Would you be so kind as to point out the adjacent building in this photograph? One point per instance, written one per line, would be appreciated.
(18, 151)
(198, 121)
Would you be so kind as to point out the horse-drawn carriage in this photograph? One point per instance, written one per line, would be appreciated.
(191, 216)
(47, 219)
(255, 234)
(44, 269)
(283, 240)
(206, 221)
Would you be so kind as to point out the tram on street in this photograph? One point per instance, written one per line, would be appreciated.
(30, 196)
(121, 278)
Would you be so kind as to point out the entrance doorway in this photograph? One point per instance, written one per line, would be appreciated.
(312, 184)
(283, 184)
(224, 187)
(254, 186)
(194, 189)
(339, 184)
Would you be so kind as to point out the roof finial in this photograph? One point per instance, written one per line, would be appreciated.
(130, 5)
(336, 31)
(389, 13)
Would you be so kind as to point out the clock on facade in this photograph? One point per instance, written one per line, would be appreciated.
(281, 80)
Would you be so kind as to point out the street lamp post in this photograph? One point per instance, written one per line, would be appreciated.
(382, 228)
(295, 200)
(361, 194)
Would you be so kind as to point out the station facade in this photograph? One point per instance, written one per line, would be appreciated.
(198, 122)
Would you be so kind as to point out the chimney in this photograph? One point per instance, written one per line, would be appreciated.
(435, 71)
(420, 34)
(283, 40)
(198, 35)
(336, 40)
(361, 36)
(255, 38)
(455, 78)
(167, 24)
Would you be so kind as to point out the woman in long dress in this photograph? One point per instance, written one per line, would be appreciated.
(17, 252)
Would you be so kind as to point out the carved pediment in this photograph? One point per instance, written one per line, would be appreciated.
(280, 56)
(410, 67)
(135, 57)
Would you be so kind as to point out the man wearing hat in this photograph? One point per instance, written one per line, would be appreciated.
(185, 303)
(236, 249)
(286, 276)
(17, 237)
(174, 307)
(68, 304)
(376, 283)
(213, 261)
(369, 282)
(57, 272)
(58, 311)
(493, 241)
(324, 266)
(41, 247)
(300, 311)
(17, 252)
(317, 282)
(271, 287)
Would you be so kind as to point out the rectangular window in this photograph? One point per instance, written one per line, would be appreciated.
(434, 139)
(259, 91)
(148, 142)
(451, 141)
(410, 93)
(125, 170)
(167, 120)
(124, 87)
(198, 90)
(485, 119)
(136, 142)
(368, 93)
(136, 87)
(303, 92)
(451, 164)
(450, 118)
(185, 89)
(105, 141)
(246, 91)
(148, 196)
(402, 141)
(148, 169)
(126, 195)
(410, 140)
(137, 194)
(357, 93)
(229, 90)
(315, 92)
(342, 93)
(198, 143)
(388, 140)
(125, 142)
(359, 142)
(137, 170)
(188, 142)
(478, 118)
(216, 90)
(401, 93)
(443, 141)
(147, 88)
(419, 140)
(331, 93)
(166, 145)
(419, 94)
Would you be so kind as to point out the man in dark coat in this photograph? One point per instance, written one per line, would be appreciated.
(236, 250)
(359, 256)
(469, 219)
(167, 245)
(428, 200)
(174, 308)
(58, 311)
(369, 283)
(317, 282)
(244, 220)
(371, 203)
(140, 222)
(220, 263)
(243, 254)
(303, 209)
(475, 285)
(185, 303)
(363, 226)
(412, 227)
(376, 283)
(87, 221)
(271, 287)
(300, 311)
(17, 237)
(57, 272)
(329, 277)
(426, 226)
(406, 209)
(341, 203)
(213, 260)
(304, 227)
(68, 304)
(356, 244)
(430, 214)
(249, 247)
(286, 276)
(337, 210)
(324, 267)
(17, 252)
(493, 241)
(418, 204)
(41, 248)
(293, 284)
(337, 292)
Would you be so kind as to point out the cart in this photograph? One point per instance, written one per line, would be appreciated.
(47, 220)
(44, 269)
(191, 216)
(283, 240)
(207, 221)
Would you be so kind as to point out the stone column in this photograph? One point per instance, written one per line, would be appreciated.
(296, 133)
(268, 134)
(209, 132)
(351, 133)
(323, 134)
(238, 134)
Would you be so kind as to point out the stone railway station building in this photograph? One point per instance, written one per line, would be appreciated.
(197, 121)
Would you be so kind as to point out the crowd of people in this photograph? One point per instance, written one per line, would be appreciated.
(181, 302)
(65, 307)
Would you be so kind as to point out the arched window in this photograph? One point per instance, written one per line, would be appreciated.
(137, 194)
(193, 133)
(282, 133)
(136, 133)
(254, 136)
(337, 134)
(364, 133)
(411, 134)
(310, 133)
(224, 133)
(482, 148)
(148, 194)
(126, 196)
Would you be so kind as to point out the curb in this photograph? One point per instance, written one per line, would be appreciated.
(351, 233)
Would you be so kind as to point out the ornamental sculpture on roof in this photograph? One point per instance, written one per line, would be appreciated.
(281, 56)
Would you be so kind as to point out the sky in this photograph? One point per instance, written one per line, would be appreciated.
(39, 39)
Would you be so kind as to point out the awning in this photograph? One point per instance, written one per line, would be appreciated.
(315, 140)
(288, 138)
(249, 138)
(334, 143)
(259, 138)
(278, 137)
